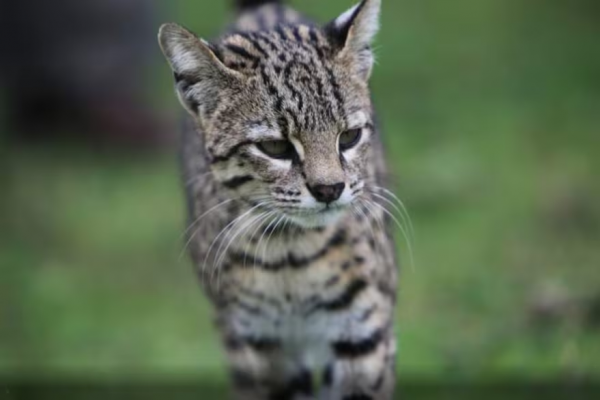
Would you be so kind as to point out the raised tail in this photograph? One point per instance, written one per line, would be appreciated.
(243, 5)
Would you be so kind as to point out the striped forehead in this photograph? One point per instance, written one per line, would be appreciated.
(247, 50)
(294, 66)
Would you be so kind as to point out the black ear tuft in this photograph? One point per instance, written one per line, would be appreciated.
(352, 33)
(356, 28)
(338, 29)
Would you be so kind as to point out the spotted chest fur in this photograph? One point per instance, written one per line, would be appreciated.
(284, 176)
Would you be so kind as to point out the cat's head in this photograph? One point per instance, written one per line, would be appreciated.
(285, 111)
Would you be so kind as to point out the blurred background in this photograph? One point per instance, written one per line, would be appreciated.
(491, 116)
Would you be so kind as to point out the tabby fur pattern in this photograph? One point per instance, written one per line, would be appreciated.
(284, 174)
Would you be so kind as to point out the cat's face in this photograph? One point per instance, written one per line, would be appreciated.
(308, 161)
(286, 113)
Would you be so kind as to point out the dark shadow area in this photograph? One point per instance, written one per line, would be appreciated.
(418, 390)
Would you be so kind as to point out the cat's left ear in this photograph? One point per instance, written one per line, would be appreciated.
(199, 74)
(353, 33)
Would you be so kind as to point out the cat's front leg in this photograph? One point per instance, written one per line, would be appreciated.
(363, 369)
(260, 370)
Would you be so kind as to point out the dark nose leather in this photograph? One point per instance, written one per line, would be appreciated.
(327, 193)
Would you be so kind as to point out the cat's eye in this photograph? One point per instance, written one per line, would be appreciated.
(280, 149)
(350, 138)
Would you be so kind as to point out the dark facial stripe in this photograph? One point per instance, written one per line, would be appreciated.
(331, 78)
(237, 181)
(294, 118)
(283, 126)
(360, 348)
(230, 152)
(335, 87)
(337, 93)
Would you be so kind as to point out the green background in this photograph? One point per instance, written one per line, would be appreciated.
(491, 116)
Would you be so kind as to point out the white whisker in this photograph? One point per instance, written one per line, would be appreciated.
(402, 211)
(228, 227)
(257, 249)
(204, 215)
(281, 219)
(258, 226)
(242, 230)
(402, 230)
(378, 221)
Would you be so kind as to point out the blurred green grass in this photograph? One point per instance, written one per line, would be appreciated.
(491, 115)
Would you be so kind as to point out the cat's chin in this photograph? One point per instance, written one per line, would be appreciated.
(318, 219)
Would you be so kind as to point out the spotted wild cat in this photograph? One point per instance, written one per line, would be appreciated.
(284, 177)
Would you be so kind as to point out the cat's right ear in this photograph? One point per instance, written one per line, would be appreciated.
(353, 33)
(199, 74)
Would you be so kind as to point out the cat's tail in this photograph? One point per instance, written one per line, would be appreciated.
(243, 5)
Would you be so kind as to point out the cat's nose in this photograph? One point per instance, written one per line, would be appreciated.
(327, 193)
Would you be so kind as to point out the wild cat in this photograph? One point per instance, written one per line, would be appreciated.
(284, 177)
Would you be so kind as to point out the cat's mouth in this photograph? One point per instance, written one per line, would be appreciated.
(316, 217)
(313, 211)
(329, 208)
